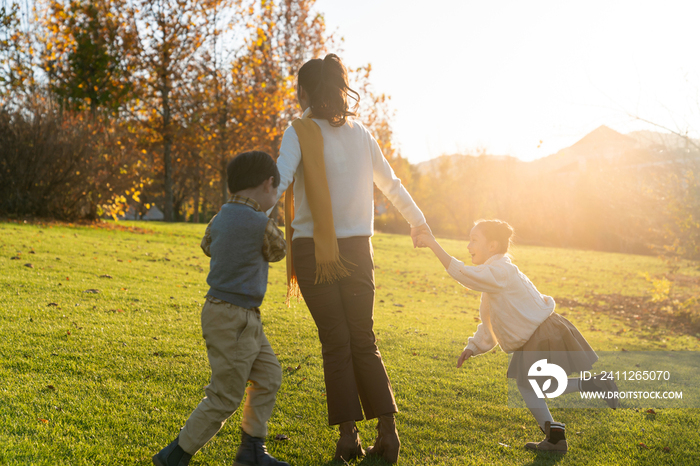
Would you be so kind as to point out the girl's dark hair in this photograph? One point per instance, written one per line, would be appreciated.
(250, 169)
(326, 83)
(497, 230)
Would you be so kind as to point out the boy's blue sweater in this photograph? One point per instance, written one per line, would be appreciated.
(238, 270)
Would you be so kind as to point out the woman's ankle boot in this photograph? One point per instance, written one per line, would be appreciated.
(387, 443)
(349, 445)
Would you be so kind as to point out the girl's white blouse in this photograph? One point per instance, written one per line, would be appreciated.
(511, 307)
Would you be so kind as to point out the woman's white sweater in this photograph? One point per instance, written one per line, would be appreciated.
(354, 162)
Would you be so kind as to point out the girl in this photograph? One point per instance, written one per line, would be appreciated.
(522, 321)
(334, 162)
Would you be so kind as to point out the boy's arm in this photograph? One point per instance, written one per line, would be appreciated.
(206, 241)
(274, 245)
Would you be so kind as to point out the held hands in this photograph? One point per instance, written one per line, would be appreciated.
(425, 240)
(416, 231)
(466, 354)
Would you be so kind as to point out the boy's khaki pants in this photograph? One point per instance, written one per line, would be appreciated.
(238, 352)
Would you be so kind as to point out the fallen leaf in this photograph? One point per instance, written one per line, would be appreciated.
(666, 449)
(105, 276)
(51, 387)
(281, 437)
(651, 411)
(642, 445)
(29, 265)
(45, 421)
(398, 305)
(68, 332)
(52, 304)
(91, 290)
(15, 258)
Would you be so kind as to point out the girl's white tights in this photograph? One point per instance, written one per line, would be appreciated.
(538, 406)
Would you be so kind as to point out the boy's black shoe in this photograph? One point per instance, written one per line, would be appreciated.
(172, 455)
(252, 452)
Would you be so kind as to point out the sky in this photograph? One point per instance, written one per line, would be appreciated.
(523, 78)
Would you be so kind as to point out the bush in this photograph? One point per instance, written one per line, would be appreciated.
(58, 164)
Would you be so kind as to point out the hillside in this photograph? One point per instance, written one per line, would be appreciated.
(602, 146)
(103, 357)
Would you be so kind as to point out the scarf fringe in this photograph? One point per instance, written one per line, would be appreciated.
(293, 290)
(329, 272)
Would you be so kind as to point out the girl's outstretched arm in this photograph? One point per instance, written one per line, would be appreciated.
(428, 240)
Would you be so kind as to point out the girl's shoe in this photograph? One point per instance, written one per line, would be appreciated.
(348, 446)
(387, 444)
(555, 440)
(172, 455)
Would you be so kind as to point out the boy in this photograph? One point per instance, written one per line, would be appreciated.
(240, 240)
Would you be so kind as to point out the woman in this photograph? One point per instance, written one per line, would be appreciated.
(334, 162)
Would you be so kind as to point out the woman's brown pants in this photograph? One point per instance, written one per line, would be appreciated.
(343, 311)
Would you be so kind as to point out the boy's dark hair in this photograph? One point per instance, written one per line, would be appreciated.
(250, 169)
(326, 83)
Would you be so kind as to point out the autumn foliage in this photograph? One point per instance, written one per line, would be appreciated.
(111, 104)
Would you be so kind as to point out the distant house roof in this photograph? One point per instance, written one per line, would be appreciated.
(154, 213)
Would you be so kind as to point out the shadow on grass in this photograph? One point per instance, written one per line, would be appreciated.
(540, 458)
(545, 458)
(681, 315)
(364, 461)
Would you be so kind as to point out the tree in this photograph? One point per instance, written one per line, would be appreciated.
(90, 53)
(170, 37)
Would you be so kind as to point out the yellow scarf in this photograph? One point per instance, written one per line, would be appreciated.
(329, 263)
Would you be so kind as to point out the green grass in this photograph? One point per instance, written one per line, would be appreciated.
(109, 377)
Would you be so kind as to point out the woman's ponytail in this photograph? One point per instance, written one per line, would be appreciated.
(326, 83)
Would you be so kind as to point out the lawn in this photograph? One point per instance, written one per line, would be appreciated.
(102, 358)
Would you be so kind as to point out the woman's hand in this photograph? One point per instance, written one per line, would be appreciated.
(425, 240)
(466, 354)
(415, 231)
